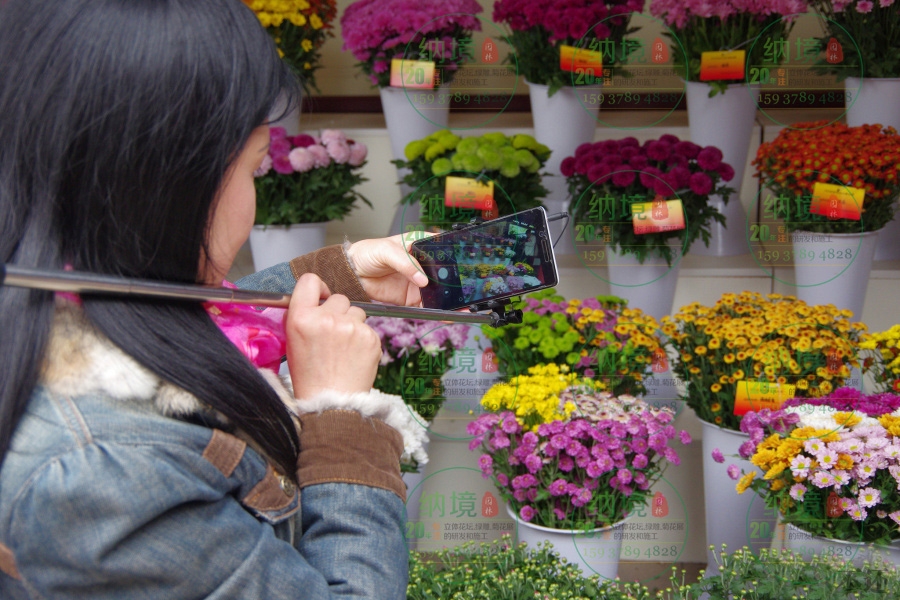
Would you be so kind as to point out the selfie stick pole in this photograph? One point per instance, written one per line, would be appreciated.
(76, 282)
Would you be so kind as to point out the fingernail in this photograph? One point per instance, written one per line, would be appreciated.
(420, 279)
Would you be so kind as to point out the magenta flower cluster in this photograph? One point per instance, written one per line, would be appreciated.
(663, 166)
(862, 6)
(678, 12)
(302, 153)
(377, 30)
(566, 19)
(402, 337)
(562, 473)
(849, 399)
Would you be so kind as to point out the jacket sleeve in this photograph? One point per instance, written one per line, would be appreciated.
(329, 263)
(160, 522)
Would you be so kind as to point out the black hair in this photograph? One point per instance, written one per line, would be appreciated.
(119, 120)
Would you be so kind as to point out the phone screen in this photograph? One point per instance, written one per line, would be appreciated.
(502, 258)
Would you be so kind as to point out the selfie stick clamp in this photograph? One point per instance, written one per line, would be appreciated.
(500, 313)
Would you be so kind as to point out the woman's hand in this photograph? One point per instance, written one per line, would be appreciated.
(328, 346)
(387, 271)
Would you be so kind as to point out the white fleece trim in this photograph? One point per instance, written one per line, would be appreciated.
(375, 404)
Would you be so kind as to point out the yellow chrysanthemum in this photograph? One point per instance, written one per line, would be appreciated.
(745, 482)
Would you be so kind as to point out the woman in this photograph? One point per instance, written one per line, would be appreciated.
(143, 456)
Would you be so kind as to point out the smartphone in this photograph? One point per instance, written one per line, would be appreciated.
(496, 259)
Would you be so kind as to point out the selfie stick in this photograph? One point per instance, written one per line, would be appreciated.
(77, 282)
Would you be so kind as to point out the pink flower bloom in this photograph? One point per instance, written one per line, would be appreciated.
(333, 135)
(282, 164)
(822, 479)
(558, 488)
(718, 456)
(701, 184)
(709, 158)
(339, 151)
(320, 154)
(895, 516)
(301, 160)
(527, 513)
(864, 6)
(624, 476)
(358, 154)
(798, 490)
(639, 461)
(303, 140)
(277, 133)
(684, 437)
(533, 463)
(858, 513)
(279, 147)
(869, 497)
(486, 463)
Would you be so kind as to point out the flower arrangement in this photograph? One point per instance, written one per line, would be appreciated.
(299, 28)
(504, 570)
(749, 337)
(598, 338)
(870, 28)
(866, 157)
(699, 27)
(885, 365)
(831, 472)
(539, 28)
(513, 163)
(566, 455)
(623, 172)
(308, 179)
(377, 31)
(414, 356)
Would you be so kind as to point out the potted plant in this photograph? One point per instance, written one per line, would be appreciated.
(538, 29)
(866, 158)
(570, 458)
(830, 467)
(303, 183)
(740, 344)
(606, 178)
(883, 358)
(512, 163)
(598, 338)
(721, 112)
(300, 28)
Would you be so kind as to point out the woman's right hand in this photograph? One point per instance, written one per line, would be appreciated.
(329, 346)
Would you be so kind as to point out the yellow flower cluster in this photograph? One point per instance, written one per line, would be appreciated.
(891, 423)
(535, 397)
(773, 339)
(886, 346)
(272, 13)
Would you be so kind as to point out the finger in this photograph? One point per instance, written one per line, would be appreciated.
(404, 263)
(357, 314)
(337, 303)
(310, 289)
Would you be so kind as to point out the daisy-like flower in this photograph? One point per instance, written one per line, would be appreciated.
(876, 443)
(865, 471)
(858, 513)
(892, 451)
(822, 479)
(814, 447)
(895, 516)
(841, 478)
(847, 504)
(869, 497)
(800, 465)
(734, 472)
(798, 491)
(718, 456)
(827, 459)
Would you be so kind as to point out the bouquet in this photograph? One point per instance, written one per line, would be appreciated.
(699, 27)
(513, 163)
(623, 172)
(770, 339)
(597, 338)
(308, 179)
(831, 470)
(885, 365)
(414, 356)
(871, 28)
(539, 28)
(377, 31)
(866, 157)
(299, 28)
(566, 455)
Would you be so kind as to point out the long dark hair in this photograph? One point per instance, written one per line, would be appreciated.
(119, 120)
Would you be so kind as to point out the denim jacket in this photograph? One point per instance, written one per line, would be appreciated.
(119, 486)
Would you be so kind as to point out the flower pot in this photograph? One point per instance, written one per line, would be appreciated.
(649, 286)
(274, 244)
(562, 123)
(727, 512)
(726, 122)
(594, 551)
(806, 544)
(870, 107)
(827, 280)
(407, 120)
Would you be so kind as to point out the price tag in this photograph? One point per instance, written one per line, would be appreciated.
(657, 216)
(462, 192)
(757, 395)
(571, 59)
(418, 74)
(837, 201)
(722, 65)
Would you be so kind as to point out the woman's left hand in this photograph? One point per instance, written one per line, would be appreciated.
(387, 271)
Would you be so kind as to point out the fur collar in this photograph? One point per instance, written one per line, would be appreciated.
(80, 360)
